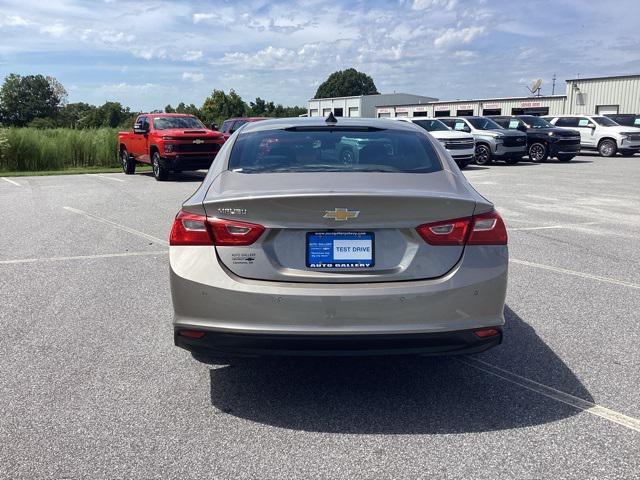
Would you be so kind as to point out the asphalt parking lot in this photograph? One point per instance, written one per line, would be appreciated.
(92, 386)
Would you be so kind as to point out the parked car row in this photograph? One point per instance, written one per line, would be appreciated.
(172, 143)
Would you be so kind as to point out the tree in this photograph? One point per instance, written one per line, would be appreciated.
(23, 99)
(75, 115)
(169, 109)
(190, 109)
(219, 106)
(346, 83)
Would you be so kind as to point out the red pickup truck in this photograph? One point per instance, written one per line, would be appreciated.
(170, 142)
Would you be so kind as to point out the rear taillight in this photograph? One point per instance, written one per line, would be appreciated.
(483, 229)
(488, 229)
(448, 232)
(231, 232)
(193, 229)
(190, 229)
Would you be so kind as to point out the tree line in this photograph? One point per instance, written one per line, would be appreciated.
(40, 101)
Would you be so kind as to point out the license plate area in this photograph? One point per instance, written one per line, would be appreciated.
(340, 250)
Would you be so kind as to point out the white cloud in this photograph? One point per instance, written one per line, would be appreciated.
(192, 55)
(427, 4)
(192, 76)
(457, 36)
(14, 21)
(56, 30)
(200, 17)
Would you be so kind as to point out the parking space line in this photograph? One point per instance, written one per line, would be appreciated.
(576, 274)
(82, 257)
(552, 393)
(11, 181)
(546, 227)
(105, 177)
(116, 225)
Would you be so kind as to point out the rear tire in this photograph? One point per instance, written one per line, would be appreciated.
(538, 152)
(607, 148)
(483, 155)
(160, 172)
(565, 158)
(128, 163)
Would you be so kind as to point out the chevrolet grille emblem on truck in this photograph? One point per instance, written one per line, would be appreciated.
(198, 141)
(341, 214)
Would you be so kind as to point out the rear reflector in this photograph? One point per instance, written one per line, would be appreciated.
(483, 229)
(191, 333)
(487, 332)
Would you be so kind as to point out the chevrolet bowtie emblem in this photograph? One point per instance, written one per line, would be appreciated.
(341, 214)
(198, 141)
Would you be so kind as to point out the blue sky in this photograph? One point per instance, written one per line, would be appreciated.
(146, 54)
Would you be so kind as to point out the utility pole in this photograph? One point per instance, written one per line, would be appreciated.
(553, 85)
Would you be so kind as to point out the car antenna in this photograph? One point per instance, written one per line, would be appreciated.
(330, 118)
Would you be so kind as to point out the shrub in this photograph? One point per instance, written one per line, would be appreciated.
(30, 149)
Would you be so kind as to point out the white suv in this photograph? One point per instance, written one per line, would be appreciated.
(601, 133)
(460, 145)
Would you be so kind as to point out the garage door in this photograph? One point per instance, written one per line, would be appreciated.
(607, 109)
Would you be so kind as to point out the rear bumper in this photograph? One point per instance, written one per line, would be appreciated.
(188, 162)
(234, 344)
(233, 311)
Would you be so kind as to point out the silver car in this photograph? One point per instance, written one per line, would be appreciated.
(289, 248)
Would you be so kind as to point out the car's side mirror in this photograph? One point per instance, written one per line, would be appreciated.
(522, 128)
(592, 126)
(140, 129)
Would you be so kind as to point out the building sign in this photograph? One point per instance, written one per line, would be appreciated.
(442, 108)
(490, 105)
(530, 104)
(384, 110)
(420, 109)
(401, 109)
(464, 107)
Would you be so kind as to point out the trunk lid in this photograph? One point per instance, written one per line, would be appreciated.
(386, 207)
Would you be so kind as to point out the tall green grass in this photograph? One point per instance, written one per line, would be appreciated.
(30, 149)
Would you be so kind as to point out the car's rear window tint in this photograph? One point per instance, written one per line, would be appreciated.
(324, 150)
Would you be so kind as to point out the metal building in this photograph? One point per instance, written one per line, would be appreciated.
(594, 95)
(362, 105)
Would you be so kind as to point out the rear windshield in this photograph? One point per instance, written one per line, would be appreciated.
(165, 123)
(323, 150)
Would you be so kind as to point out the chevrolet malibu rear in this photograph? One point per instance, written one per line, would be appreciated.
(291, 248)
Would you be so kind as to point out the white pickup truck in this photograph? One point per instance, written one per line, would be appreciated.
(460, 145)
(601, 133)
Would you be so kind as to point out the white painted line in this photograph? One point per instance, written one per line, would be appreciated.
(546, 227)
(117, 225)
(105, 177)
(576, 274)
(552, 393)
(11, 181)
(82, 257)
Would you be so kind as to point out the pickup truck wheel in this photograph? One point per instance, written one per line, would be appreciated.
(607, 148)
(483, 155)
(128, 164)
(538, 153)
(565, 158)
(159, 171)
